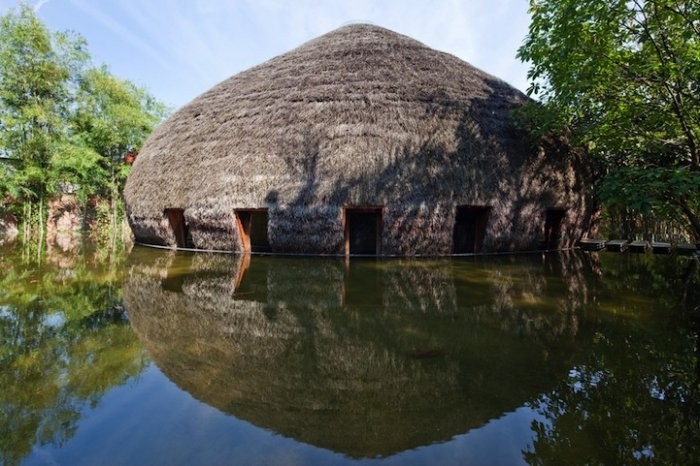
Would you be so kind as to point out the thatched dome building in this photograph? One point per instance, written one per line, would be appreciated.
(360, 141)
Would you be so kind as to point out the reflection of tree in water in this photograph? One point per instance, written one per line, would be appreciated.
(65, 341)
(635, 398)
(367, 359)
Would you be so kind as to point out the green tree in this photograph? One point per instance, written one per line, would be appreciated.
(113, 117)
(36, 73)
(62, 123)
(623, 78)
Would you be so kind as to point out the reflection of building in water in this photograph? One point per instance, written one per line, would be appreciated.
(366, 359)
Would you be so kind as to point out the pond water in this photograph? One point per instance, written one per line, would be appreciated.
(174, 358)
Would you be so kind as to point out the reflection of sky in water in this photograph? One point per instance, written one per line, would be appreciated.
(139, 421)
(6, 313)
(54, 320)
(558, 345)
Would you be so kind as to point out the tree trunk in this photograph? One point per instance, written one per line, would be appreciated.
(692, 217)
(41, 227)
(113, 211)
(25, 216)
(29, 220)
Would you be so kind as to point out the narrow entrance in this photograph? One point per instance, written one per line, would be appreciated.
(176, 218)
(470, 229)
(552, 228)
(363, 230)
(252, 229)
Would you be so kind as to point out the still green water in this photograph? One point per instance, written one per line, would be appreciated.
(172, 358)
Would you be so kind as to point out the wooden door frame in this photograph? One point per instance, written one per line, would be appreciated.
(243, 226)
(180, 233)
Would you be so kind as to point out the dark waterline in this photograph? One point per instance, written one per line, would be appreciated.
(176, 358)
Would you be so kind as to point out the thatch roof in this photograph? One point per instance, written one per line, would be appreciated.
(343, 106)
(359, 116)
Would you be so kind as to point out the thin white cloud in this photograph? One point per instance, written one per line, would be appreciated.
(152, 23)
(189, 35)
(446, 25)
(37, 6)
(181, 48)
(123, 33)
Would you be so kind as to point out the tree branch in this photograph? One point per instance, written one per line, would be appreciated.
(692, 217)
(676, 103)
(686, 17)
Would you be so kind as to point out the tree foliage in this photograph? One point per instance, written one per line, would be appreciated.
(36, 68)
(113, 117)
(64, 125)
(623, 77)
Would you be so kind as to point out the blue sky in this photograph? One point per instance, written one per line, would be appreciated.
(178, 49)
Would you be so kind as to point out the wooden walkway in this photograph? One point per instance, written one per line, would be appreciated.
(622, 245)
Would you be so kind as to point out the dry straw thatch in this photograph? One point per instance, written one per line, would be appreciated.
(361, 116)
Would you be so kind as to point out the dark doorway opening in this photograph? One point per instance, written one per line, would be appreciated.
(252, 229)
(180, 229)
(552, 228)
(363, 230)
(470, 229)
